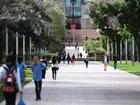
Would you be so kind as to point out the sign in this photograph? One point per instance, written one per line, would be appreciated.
(72, 26)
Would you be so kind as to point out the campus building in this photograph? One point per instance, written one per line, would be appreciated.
(78, 23)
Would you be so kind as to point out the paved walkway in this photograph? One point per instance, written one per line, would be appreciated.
(76, 85)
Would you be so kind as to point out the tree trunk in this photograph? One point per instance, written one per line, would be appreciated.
(137, 49)
(138, 46)
(1, 46)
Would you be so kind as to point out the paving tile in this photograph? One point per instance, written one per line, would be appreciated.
(76, 85)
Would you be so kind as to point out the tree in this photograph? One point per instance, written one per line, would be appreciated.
(94, 46)
(24, 17)
(58, 24)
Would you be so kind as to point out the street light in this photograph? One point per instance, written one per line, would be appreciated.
(73, 25)
(73, 2)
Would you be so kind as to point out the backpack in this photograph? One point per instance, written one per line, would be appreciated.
(9, 81)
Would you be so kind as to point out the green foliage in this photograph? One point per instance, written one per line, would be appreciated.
(93, 46)
(58, 23)
(54, 45)
(128, 67)
(124, 33)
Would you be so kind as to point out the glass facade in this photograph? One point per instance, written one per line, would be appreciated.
(69, 8)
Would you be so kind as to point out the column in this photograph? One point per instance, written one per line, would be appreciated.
(30, 49)
(126, 51)
(133, 51)
(121, 51)
(24, 52)
(16, 46)
(116, 48)
(73, 35)
(112, 49)
(7, 40)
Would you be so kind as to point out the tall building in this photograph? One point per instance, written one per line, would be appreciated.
(77, 15)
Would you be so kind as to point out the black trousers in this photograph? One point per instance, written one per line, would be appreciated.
(54, 73)
(86, 65)
(10, 98)
(43, 74)
(38, 88)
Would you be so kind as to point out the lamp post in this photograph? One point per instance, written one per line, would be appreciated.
(73, 2)
(73, 26)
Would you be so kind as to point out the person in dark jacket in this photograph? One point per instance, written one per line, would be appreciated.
(115, 61)
(44, 66)
(68, 58)
(86, 62)
(54, 67)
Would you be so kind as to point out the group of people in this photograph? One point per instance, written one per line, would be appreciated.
(12, 75)
(106, 61)
(71, 59)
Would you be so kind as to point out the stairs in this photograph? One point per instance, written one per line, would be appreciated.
(71, 50)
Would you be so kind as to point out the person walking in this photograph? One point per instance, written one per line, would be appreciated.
(73, 59)
(21, 67)
(86, 62)
(54, 67)
(37, 76)
(115, 61)
(44, 66)
(105, 61)
(10, 77)
(64, 58)
(68, 58)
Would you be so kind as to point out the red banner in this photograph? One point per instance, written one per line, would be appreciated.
(72, 26)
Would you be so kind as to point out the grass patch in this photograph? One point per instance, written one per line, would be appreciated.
(128, 67)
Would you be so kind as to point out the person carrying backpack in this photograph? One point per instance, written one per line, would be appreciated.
(21, 67)
(10, 77)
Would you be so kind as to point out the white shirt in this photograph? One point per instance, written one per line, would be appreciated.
(105, 59)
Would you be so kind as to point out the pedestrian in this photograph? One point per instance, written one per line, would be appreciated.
(10, 77)
(81, 55)
(37, 76)
(115, 61)
(44, 66)
(21, 67)
(68, 58)
(54, 67)
(64, 58)
(105, 61)
(73, 59)
(86, 62)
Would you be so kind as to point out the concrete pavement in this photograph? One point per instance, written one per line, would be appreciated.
(76, 85)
